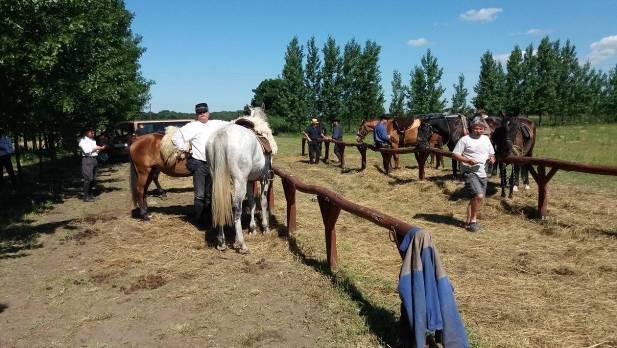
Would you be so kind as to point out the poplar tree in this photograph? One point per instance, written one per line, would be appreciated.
(331, 87)
(459, 98)
(369, 82)
(513, 101)
(425, 92)
(350, 89)
(312, 79)
(610, 101)
(546, 70)
(293, 101)
(488, 89)
(397, 103)
(529, 81)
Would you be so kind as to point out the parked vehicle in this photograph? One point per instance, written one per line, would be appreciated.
(121, 135)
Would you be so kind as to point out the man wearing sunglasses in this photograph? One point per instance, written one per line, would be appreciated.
(197, 134)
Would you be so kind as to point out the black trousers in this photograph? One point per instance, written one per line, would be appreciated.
(5, 162)
(202, 186)
(314, 152)
(89, 166)
(337, 149)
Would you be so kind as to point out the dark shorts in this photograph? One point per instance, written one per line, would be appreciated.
(475, 185)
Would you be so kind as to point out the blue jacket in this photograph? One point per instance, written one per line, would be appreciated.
(427, 294)
(380, 134)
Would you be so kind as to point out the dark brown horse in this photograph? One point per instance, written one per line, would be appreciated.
(450, 127)
(146, 163)
(403, 131)
(517, 137)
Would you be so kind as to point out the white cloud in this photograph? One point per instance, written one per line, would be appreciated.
(418, 42)
(534, 32)
(481, 15)
(503, 58)
(604, 49)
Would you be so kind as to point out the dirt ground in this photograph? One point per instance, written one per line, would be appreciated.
(96, 277)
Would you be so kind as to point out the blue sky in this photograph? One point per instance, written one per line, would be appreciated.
(218, 51)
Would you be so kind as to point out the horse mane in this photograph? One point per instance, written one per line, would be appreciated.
(260, 121)
(169, 151)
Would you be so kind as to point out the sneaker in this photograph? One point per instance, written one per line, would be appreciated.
(473, 227)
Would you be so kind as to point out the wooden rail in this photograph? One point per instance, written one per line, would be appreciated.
(330, 205)
(539, 174)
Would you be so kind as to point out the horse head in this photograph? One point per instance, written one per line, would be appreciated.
(424, 134)
(363, 130)
(258, 111)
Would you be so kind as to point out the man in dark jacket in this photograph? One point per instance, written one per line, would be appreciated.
(337, 134)
(312, 134)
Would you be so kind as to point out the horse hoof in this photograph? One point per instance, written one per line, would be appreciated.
(222, 247)
(515, 188)
(527, 187)
(266, 231)
(243, 251)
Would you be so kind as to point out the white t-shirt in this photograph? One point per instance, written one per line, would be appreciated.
(477, 149)
(88, 147)
(197, 134)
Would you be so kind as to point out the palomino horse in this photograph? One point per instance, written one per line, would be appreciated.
(235, 153)
(146, 163)
(450, 127)
(516, 136)
(403, 131)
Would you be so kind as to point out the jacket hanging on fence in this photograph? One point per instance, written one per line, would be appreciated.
(426, 293)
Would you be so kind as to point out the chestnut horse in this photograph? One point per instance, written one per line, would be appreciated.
(403, 131)
(145, 164)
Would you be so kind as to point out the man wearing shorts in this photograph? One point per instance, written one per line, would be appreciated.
(473, 151)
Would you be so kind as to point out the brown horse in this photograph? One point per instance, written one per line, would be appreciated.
(403, 131)
(516, 136)
(146, 163)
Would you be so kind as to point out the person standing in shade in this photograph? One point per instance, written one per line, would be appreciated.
(89, 162)
(196, 134)
(312, 134)
(337, 134)
(6, 150)
(380, 134)
(141, 130)
(473, 151)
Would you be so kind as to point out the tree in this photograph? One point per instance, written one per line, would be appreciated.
(312, 79)
(369, 82)
(350, 89)
(293, 101)
(529, 81)
(425, 90)
(269, 93)
(610, 100)
(546, 70)
(397, 104)
(514, 102)
(331, 104)
(488, 89)
(459, 99)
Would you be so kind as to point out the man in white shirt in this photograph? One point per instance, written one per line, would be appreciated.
(197, 134)
(6, 150)
(89, 162)
(473, 151)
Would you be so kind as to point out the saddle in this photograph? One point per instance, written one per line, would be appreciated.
(263, 141)
(402, 124)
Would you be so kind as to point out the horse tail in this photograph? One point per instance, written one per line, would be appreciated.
(221, 186)
(133, 182)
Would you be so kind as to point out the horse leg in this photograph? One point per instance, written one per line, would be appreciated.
(143, 179)
(511, 183)
(250, 187)
(515, 173)
(454, 167)
(238, 196)
(265, 213)
(221, 239)
(397, 161)
(525, 174)
(159, 188)
(503, 176)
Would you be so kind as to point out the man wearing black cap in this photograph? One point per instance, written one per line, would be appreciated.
(337, 134)
(89, 162)
(380, 133)
(197, 134)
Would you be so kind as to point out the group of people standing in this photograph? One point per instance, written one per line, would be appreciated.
(315, 132)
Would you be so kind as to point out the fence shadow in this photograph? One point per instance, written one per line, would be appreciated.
(381, 321)
(15, 239)
(440, 219)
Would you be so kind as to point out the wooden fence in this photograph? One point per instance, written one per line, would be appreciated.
(330, 205)
(537, 166)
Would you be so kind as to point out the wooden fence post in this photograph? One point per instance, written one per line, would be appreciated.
(329, 214)
(542, 179)
(290, 196)
(303, 146)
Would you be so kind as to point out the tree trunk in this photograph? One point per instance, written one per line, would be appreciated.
(25, 143)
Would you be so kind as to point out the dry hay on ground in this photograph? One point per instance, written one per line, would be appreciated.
(520, 282)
